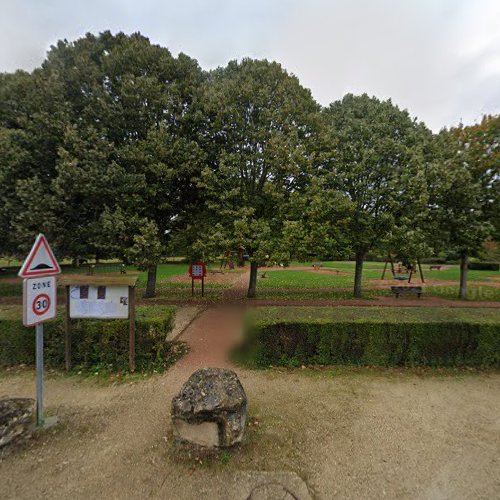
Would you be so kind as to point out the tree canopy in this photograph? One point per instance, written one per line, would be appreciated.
(116, 148)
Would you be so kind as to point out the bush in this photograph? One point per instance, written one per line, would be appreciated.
(372, 342)
(484, 266)
(102, 343)
(433, 260)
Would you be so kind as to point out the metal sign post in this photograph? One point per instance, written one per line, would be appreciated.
(39, 374)
(39, 304)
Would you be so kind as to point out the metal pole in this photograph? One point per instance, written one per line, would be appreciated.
(131, 316)
(39, 374)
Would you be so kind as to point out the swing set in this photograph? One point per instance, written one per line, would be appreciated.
(410, 270)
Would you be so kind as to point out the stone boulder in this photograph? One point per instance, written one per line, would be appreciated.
(211, 409)
(16, 419)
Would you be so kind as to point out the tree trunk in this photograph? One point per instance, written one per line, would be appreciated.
(360, 257)
(464, 262)
(252, 286)
(151, 285)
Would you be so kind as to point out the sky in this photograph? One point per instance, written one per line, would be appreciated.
(439, 59)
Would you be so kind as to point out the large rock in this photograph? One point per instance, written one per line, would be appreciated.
(211, 409)
(16, 419)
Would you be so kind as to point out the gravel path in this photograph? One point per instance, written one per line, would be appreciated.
(347, 433)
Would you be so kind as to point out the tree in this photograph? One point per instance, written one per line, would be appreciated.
(33, 115)
(468, 189)
(131, 142)
(259, 124)
(103, 127)
(374, 156)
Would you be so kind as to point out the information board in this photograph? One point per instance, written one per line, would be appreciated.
(99, 302)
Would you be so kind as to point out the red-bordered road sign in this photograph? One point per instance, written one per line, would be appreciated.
(41, 261)
(41, 304)
(39, 300)
(197, 271)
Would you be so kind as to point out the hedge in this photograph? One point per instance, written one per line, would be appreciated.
(484, 266)
(372, 341)
(95, 343)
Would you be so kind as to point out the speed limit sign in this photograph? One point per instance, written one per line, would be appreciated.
(39, 299)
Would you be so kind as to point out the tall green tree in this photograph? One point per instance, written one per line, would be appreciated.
(467, 205)
(259, 124)
(374, 155)
(102, 130)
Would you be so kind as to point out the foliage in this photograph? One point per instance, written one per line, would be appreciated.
(258, 125)
(102, 343)
(484, 266)
(466, 205)
(373, 154)
(102, 138)
(373, 336)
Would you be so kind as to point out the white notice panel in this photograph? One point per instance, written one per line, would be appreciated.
(39, 300)
(100, 302)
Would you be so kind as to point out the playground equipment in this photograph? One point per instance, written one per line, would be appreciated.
(230, 256)
(410, 270)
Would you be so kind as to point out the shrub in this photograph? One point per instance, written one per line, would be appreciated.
(484, 266)
(372, 342)
(433, 260)
(102, 343)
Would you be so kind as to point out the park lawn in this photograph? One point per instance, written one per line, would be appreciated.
(448, 273)
(453, 274)
(312, 294)
(164, 271)
(474, 293)
(185, 293)
(284, 314)
(347, 265)
(289, 278)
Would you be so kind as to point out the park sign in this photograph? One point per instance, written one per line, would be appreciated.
(198, 271)
(40, 261)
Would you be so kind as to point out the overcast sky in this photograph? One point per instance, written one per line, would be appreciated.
(440, 59)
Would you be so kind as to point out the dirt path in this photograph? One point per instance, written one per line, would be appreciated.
(387, 435)
(352, 434)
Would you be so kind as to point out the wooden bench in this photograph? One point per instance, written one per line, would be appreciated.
(438, 268)
(406, 290)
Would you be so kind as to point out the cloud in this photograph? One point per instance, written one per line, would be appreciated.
(440, 59)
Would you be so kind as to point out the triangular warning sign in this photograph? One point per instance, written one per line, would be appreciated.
(40, 261)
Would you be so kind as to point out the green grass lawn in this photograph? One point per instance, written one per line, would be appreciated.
(311, 294)
(480, 292)
(277, 314)
(373, 270)
(311, 279)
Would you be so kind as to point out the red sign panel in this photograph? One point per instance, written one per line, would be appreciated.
(197, 271)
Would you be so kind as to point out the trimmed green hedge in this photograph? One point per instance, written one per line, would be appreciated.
(484, 266)
(379, 340)
(95, 343)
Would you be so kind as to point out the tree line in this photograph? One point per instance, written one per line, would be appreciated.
(116, 148)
